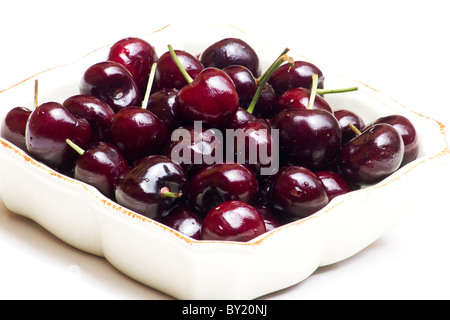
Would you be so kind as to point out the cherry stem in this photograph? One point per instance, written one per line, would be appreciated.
(149, 86)
(355, 129)
(178, 63)
(312, 97)
(280, 60)
(264, 74)
(36, 89)
(166, 193)
(75, 146)
(327, 91)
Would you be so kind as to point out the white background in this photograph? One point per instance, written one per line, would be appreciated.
(400, 48)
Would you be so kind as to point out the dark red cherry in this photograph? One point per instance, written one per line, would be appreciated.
(184, 220)
(265, 106)
(163, 104)
(308, 137)
(113, 83)
(299, 98)
(211, 98)
(102, 166)
(345, 117)
(96, 111)
(372, 155)
(244, 82)
(48, 127)
(231, 51)
(232, 221)
(151, 187)
(270, 220)
(195, 148)
(296, 193)
(287, 77)
(168, 74)
(14, 125)
(221, 182)
(137, 56)
(334, 183)
(241, 117)
(408, 133)
(137, 133)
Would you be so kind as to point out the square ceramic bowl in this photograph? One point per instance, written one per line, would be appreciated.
(185, 268)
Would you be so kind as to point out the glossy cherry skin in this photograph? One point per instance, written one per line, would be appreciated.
(211, 98)
(14, 125)
(221, 182)
(96, 111)
(244, 82)
(48, 127)
(137, 56)
(232, 221)
(111, 82)
(408, 133)
(168, 75)
(163, 104)
(270, 220)
(334, 183)
(299, 98)
(194, 148)
(265, 106)
(137, 133)
(231, 51)
(296, 193)
(299, 75)
(241, 117)
(371, 156)
(102, 166)
(141, 187)
(308, 137)
(184, 220)
(345, 117)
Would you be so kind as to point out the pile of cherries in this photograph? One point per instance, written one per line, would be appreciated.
(118, 135)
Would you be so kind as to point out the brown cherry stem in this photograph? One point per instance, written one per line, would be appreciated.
(355, 129)
(312, 97)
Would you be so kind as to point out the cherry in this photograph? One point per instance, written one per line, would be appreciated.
(111, 82)
(194, 148)
(221, 182)
(296, 192)
(137, 133)
(137, 56)
(231, 51)
(102, 166)
(299, 98)
(241, 117)
(48, 127)
(334, 183)
(96, 111)
(300, 74)
(408, 133)
(308, 137)
(372, 155)
(211, 98)
(152, 186)
(184, 220)
(168, 74)
(232, 221)
(265, 106)
(270, 220)
(14, 125)
(164, 105)
(244, 82)
(345, 117)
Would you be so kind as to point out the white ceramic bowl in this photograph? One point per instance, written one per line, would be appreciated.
(188, 269)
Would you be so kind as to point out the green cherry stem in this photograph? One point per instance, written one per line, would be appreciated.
(281, 59)
(149, 85)
(264, 74)
(75, 146)
(328, 91)
(178, 63)
(166, 193)
(312, 97)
